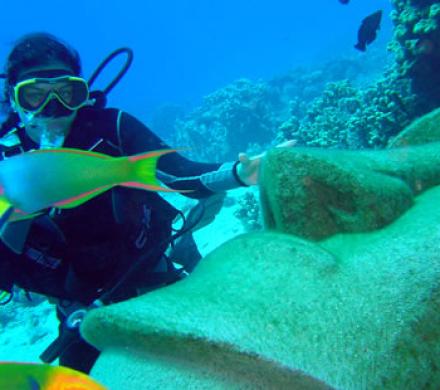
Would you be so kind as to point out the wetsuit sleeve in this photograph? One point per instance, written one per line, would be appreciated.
(174, 170)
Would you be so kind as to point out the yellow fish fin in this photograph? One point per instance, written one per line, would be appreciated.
(145, 171)
(6, 210)
(80, 199)
(16, 375)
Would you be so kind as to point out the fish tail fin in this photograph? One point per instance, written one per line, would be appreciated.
(144, 171)
(6, 210)
(360, 47)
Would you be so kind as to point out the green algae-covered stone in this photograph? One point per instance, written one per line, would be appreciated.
(272, 311)
(423, 130)
(316, 193)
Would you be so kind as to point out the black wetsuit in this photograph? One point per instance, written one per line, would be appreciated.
(75, 254)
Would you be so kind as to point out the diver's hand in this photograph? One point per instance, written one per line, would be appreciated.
(248, 168)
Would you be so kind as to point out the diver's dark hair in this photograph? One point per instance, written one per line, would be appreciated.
(37, 49)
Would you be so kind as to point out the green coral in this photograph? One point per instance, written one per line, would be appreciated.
(425, 26)
(228, 121)
(416, 43)
(252, 116)
(348, 117)
(434, 11)
(249, 211)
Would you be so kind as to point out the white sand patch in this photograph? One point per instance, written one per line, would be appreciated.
(28, 332)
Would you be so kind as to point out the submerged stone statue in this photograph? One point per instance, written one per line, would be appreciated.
(341, 291)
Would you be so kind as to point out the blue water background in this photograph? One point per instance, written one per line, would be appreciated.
(185, 49)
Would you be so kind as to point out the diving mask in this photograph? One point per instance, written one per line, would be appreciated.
(33, 95)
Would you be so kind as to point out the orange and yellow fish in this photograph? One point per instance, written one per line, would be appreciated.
(29, 376)
(66, 178)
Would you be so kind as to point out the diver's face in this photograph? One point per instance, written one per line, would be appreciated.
(53, 123)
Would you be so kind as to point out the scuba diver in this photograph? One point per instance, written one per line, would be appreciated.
(116, 245)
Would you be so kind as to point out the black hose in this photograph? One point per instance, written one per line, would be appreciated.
(121, 73)
(106, 297)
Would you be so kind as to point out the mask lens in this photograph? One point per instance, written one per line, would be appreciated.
(33, 95)
(73, 94)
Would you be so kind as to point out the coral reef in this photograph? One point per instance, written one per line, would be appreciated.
(348, 117)
(416, 45)
(327, 107)
(249, 211)
(228, 121)
(340, 104)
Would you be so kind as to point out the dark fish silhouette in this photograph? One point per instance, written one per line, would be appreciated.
(344, 1)
(368, 30)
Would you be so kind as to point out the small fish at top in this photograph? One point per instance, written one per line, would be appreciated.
(344, 1)
(368, 30)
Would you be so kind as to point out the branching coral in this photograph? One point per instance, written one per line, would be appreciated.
(348, 117)
(249, 211)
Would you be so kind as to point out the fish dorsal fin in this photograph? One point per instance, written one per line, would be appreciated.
(71, 151)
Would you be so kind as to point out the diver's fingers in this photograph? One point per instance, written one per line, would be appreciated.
(244, 158)
(287, 144)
